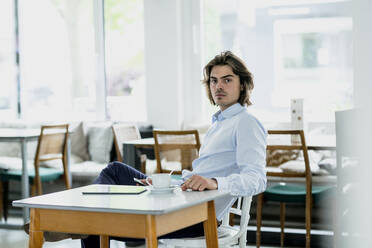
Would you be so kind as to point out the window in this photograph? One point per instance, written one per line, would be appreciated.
(125, 76)
(8, 81)
(313, 61)
(58, 61)
(62, 62)
(301, 49)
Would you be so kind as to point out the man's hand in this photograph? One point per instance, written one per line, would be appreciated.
(144, 182)
(199, 183)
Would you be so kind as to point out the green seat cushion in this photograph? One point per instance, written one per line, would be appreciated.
(293, 193)
(46, 174)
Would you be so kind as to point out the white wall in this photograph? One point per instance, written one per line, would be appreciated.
(172, 62)
(362, 34)
(361, 136)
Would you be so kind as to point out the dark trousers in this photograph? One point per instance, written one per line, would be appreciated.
(117, 173)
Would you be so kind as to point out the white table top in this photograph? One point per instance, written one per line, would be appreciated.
(17, 133)
(145, 203)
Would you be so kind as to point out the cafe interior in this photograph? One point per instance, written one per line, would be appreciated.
(84, 83)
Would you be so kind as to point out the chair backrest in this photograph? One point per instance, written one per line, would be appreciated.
(290, 144)
(241, 208)
(176, 147)
(124, 132)
(286, 140)
(52, 144)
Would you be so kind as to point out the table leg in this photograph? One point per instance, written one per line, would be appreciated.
(36, 237)
(210, 227)
(151, 239)
(104, 241)
(25, 182)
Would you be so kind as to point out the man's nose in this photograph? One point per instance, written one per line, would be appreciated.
(219, 84)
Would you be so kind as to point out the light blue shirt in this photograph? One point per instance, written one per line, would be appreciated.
(234, 153)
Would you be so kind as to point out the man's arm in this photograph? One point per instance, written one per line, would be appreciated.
(250, 158)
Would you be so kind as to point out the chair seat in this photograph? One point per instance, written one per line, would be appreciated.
(292, 192)
(225, 238)
(46, 174)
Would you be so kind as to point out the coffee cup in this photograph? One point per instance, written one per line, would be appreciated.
(159, 180)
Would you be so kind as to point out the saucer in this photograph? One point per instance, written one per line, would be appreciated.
(162, 190)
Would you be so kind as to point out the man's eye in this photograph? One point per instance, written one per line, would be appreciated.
(213, 81)
(227, 80)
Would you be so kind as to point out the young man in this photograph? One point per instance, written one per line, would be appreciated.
(233, 153)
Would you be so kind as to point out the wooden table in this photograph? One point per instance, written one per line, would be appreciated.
(136, 216)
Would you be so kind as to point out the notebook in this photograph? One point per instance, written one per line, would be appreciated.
(114, 189)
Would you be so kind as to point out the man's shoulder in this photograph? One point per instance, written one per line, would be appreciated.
(248, 119)
(245, 115)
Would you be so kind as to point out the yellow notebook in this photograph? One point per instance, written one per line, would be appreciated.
(114, 189)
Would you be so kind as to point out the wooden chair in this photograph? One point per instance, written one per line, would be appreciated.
(227, 235)
(286, 192)
(52, 145)
(175, 149)
(126, 132)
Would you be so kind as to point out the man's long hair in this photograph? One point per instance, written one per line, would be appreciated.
(238, 67)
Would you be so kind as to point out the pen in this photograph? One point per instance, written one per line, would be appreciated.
(139, 181)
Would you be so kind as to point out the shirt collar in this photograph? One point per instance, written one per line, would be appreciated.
(227, 113)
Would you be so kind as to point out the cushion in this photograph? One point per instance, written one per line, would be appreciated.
(315, 156)
(171, 165)
(328, 164)
(298, 166)
(79, 144)
(278, 157)
(12, 163)
(321, 172)
(31, 150)
(57, 163)
(100, 140)
(10, 149)
(87, 169)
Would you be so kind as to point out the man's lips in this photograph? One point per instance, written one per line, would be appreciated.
(220, 94)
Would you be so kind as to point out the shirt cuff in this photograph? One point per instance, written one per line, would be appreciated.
(222, 183)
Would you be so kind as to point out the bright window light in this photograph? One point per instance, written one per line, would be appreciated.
(288, 11)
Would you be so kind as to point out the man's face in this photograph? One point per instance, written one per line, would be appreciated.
(225, 86)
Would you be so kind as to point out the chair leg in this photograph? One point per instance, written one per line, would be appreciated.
(33, 190)
(243, 240)
(308, 221)
(282, 220)
(5, 199)
(1, 200)
(259, 219)
(66, 173)
(143, 164)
